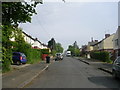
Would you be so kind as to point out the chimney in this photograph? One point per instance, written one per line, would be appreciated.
(107, 35)
(96, 40)
(36, 39)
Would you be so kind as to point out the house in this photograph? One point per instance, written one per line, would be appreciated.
(116, 42)
(107, 43)
(28, 38)
(34, 42)
(44, 46)
(84, 50)
(37, 44)
(90, 45)
(117, 35)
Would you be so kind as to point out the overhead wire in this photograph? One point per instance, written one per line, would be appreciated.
(42, 27)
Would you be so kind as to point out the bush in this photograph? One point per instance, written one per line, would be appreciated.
(53, 52)
(100, 55)
(33, 56)
(6, 59)
(45, 51)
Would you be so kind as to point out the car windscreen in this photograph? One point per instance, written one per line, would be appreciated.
(23, 55)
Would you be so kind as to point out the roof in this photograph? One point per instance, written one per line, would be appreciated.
(28, 36)
(103, 39)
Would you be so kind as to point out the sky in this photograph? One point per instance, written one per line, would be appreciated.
(73, 21)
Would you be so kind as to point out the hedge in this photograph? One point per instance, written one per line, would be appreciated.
(100, 55)
(33, 56)
(45, 51)
(6, 59)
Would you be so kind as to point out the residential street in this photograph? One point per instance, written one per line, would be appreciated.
(72, 73)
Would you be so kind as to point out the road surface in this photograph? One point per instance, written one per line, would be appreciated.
(72, 73)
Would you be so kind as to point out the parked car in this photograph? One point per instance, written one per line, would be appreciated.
(19, 58)
(116, 68)
(59, 56)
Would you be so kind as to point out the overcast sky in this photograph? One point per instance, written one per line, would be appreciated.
(73, 21)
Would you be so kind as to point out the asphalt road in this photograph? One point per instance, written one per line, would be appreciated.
(72, 73)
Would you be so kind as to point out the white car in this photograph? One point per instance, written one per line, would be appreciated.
(59, 56)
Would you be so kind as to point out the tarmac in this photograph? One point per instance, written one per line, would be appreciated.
(107, 67)
(22, 75)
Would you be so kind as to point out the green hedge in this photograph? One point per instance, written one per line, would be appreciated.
(100, 55)
(45, 51)
(6, 59)
(33, 56)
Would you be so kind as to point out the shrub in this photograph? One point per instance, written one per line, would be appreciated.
(6, 59)
(53, 52)
(33, 56)
(100, 55)
(45, 51)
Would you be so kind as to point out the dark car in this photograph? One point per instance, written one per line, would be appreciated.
(59, 56)
(19, 58)
(116, 68)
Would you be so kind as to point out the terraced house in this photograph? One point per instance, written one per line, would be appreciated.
(116, 43)
(34, 42)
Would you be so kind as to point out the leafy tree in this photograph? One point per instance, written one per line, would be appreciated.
(6, 48)
(75, 45)
(52, 44)
(59, 48)
(14, 13)
(53, 52)
(71, 48)
(74, 49)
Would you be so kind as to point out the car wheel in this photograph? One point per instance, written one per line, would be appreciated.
(18, 63)
(114, 75)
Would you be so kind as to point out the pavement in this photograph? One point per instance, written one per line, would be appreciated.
(107, 67)
(22, 75)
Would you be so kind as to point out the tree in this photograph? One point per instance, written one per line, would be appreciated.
(52, 44)
(74, 49)
(71, 48)
(75, 45)
(59, 48)
(14, 13)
